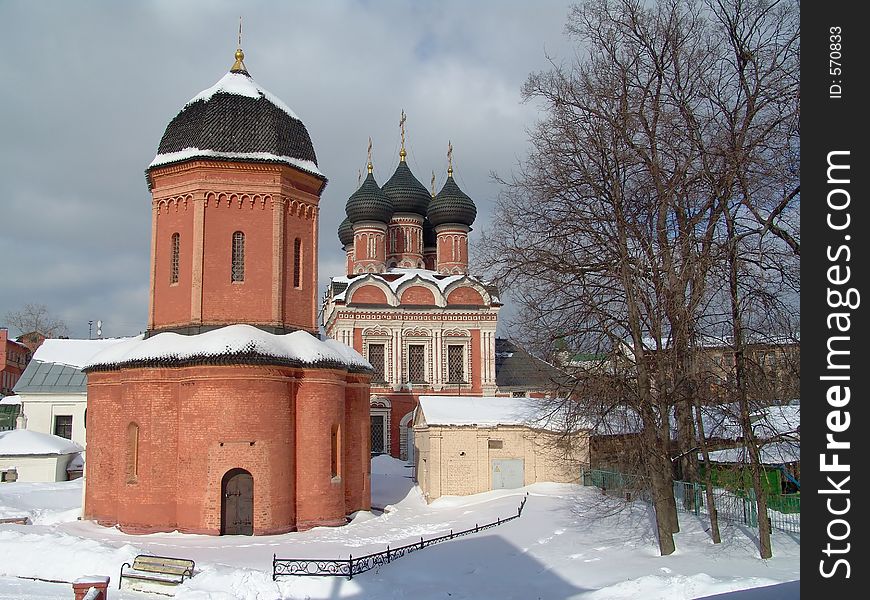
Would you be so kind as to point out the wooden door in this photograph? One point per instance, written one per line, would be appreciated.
(237, 503)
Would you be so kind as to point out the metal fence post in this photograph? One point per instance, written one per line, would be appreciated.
(274, 559)
(350, 567)
(388, 553)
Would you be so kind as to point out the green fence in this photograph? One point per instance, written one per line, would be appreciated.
(732, 506)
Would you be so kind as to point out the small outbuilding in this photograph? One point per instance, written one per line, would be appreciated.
(31, 456)
(466, 445)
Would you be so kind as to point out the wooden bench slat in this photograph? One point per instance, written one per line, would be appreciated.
(160, 569)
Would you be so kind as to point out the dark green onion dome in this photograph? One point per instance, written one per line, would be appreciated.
(451, 205)
(345, 232)
(430, 240)
(407, 194)
(369, 203)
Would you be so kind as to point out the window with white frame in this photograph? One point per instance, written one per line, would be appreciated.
(455, 363)
(377, 357)
(416, 363)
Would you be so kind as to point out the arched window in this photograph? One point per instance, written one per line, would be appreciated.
(238, 256)
(297, 263)
(132, 453)
(173, 268)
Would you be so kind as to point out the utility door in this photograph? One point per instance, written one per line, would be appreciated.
(237, 503)
(507, 473)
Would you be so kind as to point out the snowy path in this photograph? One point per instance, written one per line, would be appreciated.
(571, 542)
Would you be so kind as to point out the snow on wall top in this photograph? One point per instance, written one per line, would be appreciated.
(22, 442)
(299, 346)
(10, 400)
(485, 411)
(73, 353)
(241, 85)
(171, 157)
(776, 453)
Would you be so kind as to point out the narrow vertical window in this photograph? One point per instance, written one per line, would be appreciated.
(297, 263)
(416, 367)
(176, 247)
(238, 256)
(376, 358)
(455, 364)
(336, 449)
(132, 452)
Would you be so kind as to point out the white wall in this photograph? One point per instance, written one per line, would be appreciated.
(40, 410)
(32, 469)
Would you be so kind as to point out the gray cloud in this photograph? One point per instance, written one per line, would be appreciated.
(88, 88)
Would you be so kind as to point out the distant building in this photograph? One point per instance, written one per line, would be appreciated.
(471, 445)
(14, 357)
(30, 456)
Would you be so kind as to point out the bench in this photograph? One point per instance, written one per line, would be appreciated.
(162, 570)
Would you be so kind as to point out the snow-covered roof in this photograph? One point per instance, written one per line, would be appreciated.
(486, 411)
(22, 442)
(10, 400)
(73, 353)
(239, 84)
(776, 453)
(231, 341)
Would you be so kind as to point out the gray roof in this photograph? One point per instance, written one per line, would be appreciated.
(516, 368)
(51, 378)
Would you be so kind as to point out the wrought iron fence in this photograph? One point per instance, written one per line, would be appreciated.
(734, 506)
(340, 567)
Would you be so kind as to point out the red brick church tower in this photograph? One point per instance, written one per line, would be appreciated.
(228, 416)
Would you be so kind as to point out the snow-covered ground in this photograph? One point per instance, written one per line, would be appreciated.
(571, 542)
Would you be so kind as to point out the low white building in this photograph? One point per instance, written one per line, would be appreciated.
(52, 390)
(30, 456)
(467, 445)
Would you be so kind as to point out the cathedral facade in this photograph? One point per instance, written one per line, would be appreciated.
(407, 302)
(230, 416)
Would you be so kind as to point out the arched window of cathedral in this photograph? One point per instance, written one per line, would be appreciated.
(297, 263)
(132, 453)
(173, 267)
(455, 363)
(238, 256)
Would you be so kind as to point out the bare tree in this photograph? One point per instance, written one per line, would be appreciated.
(614, 234)
(37, 317)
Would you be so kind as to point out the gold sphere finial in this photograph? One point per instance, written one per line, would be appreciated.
(370, 167)
(240, 55)
(402, 155)
(239, 65)
(449, 158)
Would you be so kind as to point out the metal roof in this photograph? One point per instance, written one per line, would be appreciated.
(51, 378)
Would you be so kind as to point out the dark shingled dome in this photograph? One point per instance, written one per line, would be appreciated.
(234, 123)
(452, 205)
(369, 203)
(407, 194)
(345, 232)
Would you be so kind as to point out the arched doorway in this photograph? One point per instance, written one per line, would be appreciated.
(237, 503)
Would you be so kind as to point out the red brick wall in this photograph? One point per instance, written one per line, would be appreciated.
(368, 294)
(418, 295)
(173, 306)
(466, 296)
(197, 423)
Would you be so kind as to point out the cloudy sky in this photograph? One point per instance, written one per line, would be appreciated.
(89, 87)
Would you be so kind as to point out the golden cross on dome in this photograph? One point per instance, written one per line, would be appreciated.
(433, 183)
(358, 178)
(402, 153)
(370, 154)
(449, 158)
(239, 65)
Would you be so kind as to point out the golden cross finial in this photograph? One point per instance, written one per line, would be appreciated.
(358, 177)
(239, 65)
(370, 154)
(433, 183)
(402, 153)
(449, 158)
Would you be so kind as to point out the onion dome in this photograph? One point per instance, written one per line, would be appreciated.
(369, 203)
(236, 119)
(406, 192)
(451, 205)
(430, 240)
(345, 232)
